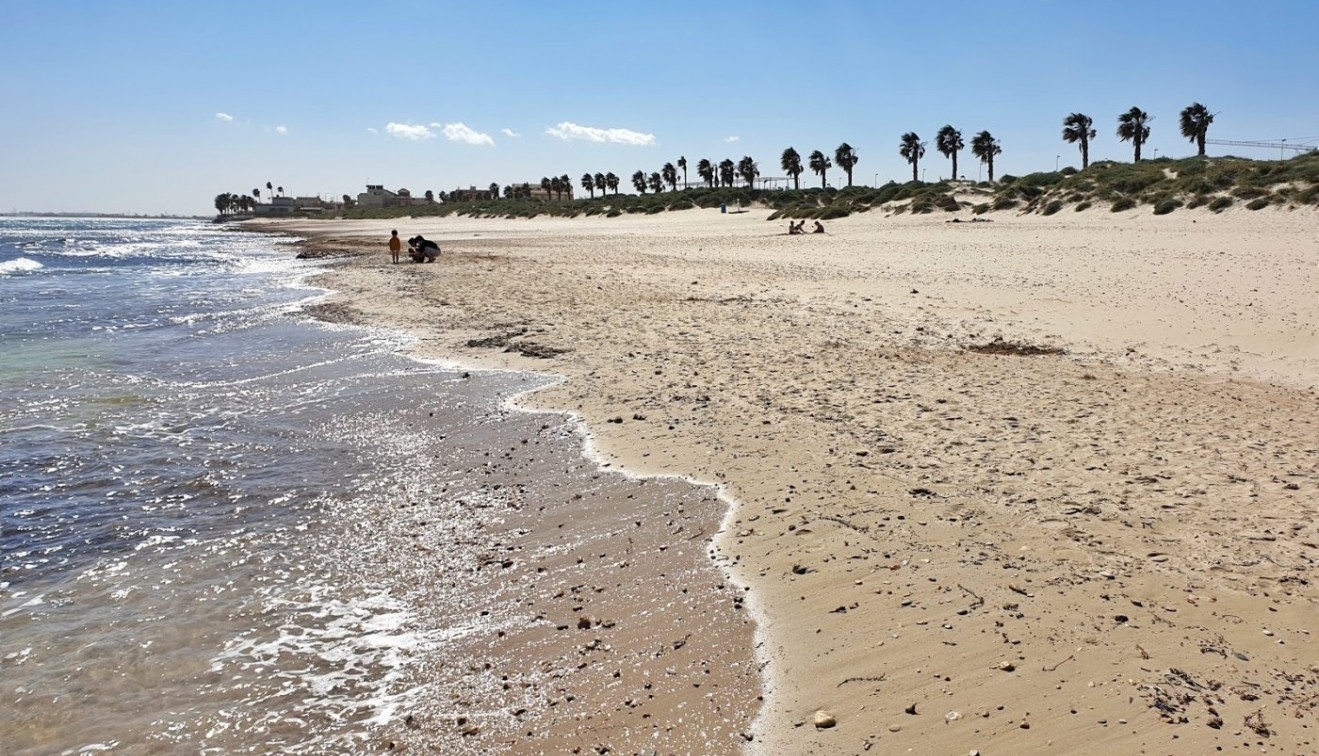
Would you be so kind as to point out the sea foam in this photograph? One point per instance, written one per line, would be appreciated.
(20, 265)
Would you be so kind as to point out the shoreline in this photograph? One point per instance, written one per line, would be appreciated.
(853, 483)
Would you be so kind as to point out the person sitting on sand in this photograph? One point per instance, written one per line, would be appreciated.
(797, 228)
(819, 228)
(423, 249)
(395, 245)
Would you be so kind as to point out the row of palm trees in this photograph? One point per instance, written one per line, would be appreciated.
(1078, 128)
(949, 143)
(229, 202)
(1134, 126)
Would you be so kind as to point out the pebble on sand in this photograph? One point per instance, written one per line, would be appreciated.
(824, 720)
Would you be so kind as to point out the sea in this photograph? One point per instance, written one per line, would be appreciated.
(208, 499)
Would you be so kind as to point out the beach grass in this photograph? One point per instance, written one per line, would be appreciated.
(1163, 184)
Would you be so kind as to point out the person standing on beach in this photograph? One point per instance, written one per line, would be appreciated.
(395, 245)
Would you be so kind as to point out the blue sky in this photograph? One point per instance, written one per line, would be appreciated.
(116, 107)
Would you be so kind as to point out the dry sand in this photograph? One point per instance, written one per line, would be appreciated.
(1112, 548)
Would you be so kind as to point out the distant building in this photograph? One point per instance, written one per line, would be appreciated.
(277, 206)
(472, 193)
(376, 195)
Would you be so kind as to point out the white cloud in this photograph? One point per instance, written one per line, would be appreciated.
(415, 133)
(224, 117)
(460, 132)
(282, 130)
(732, 139)
(372, 130)
(510, 133)
(568, 131)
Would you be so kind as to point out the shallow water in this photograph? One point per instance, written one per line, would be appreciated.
(181, 457)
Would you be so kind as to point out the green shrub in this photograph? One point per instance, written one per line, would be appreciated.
(613, 213)
(1167, 206)
(1004, 203)
(1220, 204)
(1040, 179)
(831, 212)
(1083, 206)
(1052, 208)
(947, 203)
(1069, 171)
(1123, 203)
(981, 209)
(1006, 179)
(1198, 200)
(1248, 192)
(1258, 203)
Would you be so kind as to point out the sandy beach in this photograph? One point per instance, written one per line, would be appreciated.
(1040, 485)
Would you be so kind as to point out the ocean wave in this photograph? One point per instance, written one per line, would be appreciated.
(20, 265)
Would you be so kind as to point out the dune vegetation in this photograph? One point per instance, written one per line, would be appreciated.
(1159, 186)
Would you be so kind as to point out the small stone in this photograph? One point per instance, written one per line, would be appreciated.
(895, 728)
(953, 716)
(1268, 632)
(583, 623)
(1007, 666)
(824, 720)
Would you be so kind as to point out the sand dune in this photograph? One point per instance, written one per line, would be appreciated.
(952, 542)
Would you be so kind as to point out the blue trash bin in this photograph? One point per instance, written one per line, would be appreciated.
(723, 207)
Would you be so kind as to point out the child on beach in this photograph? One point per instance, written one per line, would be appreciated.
(395, 245)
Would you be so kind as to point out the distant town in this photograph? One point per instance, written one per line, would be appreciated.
(238, 207)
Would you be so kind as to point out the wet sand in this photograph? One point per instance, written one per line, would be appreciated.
(1040, 485)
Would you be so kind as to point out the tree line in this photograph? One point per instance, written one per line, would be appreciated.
(1078, 128)
(1133, 126)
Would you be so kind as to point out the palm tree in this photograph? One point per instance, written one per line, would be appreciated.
(222, 202)
(913, 149)
(430, 197)
(846, 158)
(748, 170)
(280, 189)
(1195, 125)
(639, 181)
(820, 165)
(1134, 126)
(493, 189)
(682, 163)
(588, 183)
(270, 190)
(949, 142)
(546, 185)
(565, 184)
(556, 185)
(655, 182)
(257, 193)
(726, 172)
(985, 147)
(611, 181)
(1078, 127)
(791, 163)
(670, 175)
(601, 183)
(705, 170)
